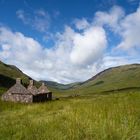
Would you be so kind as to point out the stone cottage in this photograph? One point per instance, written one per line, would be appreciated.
(18, 93)
(32, 89)
(39, 95)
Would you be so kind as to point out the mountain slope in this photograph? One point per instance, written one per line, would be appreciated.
(113, 79)
(60, 86)
(125, 77)
(8, 75)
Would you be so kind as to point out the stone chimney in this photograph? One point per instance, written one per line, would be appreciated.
(43, 84)
(18, 81)
(31, 82)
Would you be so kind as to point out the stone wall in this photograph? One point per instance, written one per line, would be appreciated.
(18, 98)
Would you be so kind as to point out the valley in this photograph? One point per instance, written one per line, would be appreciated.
(105, 107)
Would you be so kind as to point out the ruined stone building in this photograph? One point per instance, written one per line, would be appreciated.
(39, 95)
(18, 93)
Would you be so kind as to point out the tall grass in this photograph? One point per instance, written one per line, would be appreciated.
(105, 117)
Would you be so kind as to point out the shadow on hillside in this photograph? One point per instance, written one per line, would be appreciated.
(6, 81)
(122, 89)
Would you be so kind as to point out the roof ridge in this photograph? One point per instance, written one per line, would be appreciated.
(18, 88)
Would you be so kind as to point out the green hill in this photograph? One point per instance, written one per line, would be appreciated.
(94, 116)
(59, 86)
(125, 77)
(120, 78)
(8, 75)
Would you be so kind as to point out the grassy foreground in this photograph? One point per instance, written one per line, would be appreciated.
(104, 117)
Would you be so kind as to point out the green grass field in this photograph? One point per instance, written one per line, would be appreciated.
(106, 107)
(96, 117)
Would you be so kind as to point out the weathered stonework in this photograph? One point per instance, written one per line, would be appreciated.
(18, 93)
(18, 98)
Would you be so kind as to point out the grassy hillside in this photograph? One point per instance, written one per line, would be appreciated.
(101, 117)
(111, 80)
(97, 114)
(60, 86)
(8, 75)
(12, 72)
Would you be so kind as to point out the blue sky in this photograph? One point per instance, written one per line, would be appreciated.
(60, 40)
(60, 12)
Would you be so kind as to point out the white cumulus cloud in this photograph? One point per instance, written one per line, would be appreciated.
(130, 31)
(88, 46)
(56, 63)
(79, 52)
(111, 18)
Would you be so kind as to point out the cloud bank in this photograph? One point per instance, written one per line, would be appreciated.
(79, 52)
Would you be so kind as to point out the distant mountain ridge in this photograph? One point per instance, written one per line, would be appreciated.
(61, 86)
(117, 67)
(112, 79)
